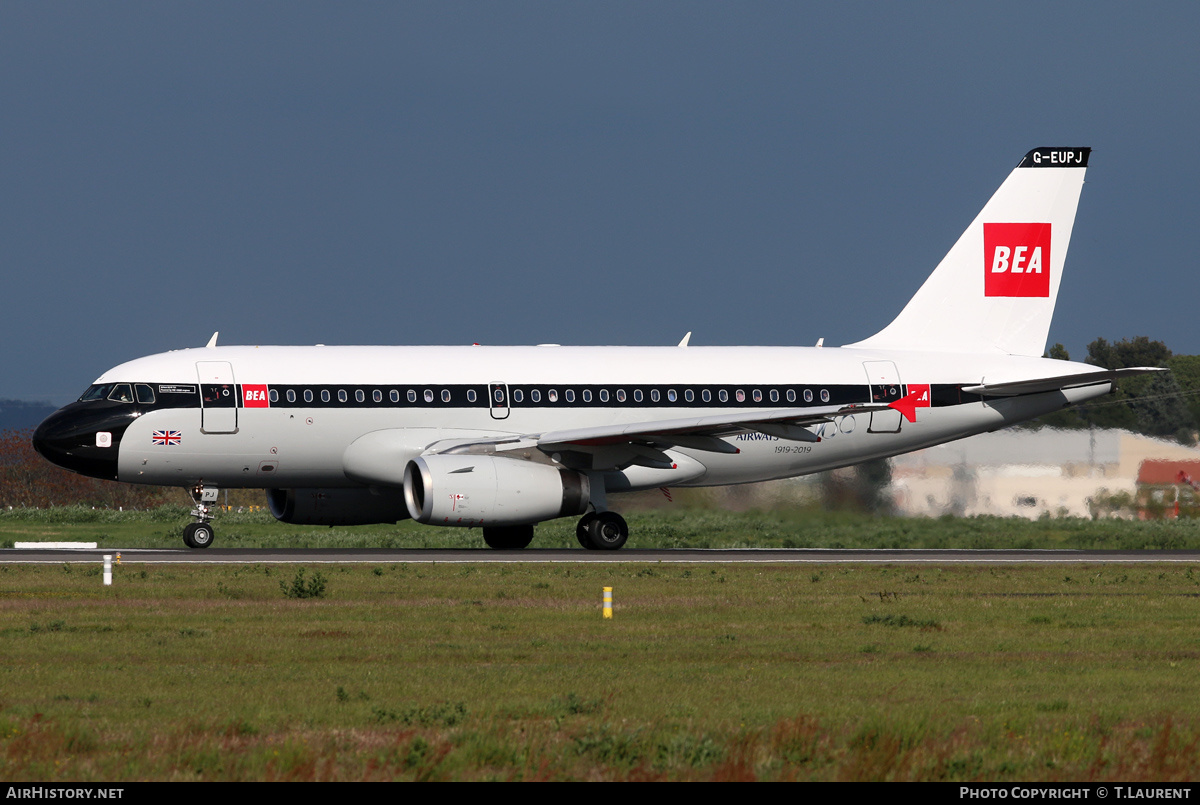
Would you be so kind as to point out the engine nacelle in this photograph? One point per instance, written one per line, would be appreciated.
(337, 506)
(473, 490)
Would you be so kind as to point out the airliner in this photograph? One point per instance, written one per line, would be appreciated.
(502, 438)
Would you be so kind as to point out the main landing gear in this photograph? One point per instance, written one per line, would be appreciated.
(602, 531)
(508, 538)
(596, 531)
(200, 533)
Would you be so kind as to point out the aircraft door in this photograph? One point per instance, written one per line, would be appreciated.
(218, 397)
(884, 380)
(498, 400)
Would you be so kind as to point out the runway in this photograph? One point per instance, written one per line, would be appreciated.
(535, 556)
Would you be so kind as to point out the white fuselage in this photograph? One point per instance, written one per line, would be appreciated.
(267, 441)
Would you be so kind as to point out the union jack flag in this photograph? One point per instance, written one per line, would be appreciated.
(166, 437)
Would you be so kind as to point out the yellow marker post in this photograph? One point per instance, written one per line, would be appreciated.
(608, 603)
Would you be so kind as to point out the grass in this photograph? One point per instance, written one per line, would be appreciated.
(676, 527)
(508, 672)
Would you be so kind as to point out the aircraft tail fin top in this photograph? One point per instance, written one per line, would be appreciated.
(995, 289)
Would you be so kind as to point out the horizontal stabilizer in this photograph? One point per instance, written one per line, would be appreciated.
(1018, 387)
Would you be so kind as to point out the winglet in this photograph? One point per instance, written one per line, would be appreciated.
(212, 342)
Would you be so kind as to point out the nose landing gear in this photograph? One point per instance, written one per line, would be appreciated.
(200, 534)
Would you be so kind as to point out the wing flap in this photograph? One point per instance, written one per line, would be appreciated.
(699, 432)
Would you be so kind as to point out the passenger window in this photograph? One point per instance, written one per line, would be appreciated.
(291, 395)
(808, 395)
(273, 396)
(308, 395)
(688, 395)
(412, 395)
(671, 395)
(774, 395)
(603, 395)
(377, 396)
(570, 395)
(587, 395)
(342, 396)
(446, 395)
(741, 395)
(394, 396)
(145, 394)
(824, 395)
(637, 395)
(552, 395)
(518, 395)
(428, 395)
(535, 395)
(471, 395)
(654, 395)
(324, 395)
(706, 395)
(757, 395)
(791, 395)
(724, 395)
(620, 395)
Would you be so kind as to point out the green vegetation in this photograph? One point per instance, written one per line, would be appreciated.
(674, 527)
(435, 671)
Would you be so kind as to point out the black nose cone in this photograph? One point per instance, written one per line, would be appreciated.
(83, 438)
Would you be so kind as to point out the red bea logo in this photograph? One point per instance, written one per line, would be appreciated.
(1016, 259)
(255, 397)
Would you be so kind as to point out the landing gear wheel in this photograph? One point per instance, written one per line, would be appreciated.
(581, 531)
(197, 535)
(608, 531)
(508, 538)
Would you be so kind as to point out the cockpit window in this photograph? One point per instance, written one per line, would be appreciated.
(96, 392)
(121, 393)
(145, 394)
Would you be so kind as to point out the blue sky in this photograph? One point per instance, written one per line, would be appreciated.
(578, 173)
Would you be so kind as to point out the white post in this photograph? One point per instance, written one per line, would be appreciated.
(108, 570)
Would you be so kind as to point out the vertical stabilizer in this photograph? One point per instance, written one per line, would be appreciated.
(994, 291)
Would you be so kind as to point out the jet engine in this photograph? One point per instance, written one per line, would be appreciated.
(475, 490)
(337, 506)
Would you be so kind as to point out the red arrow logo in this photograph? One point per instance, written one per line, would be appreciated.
(918, 397)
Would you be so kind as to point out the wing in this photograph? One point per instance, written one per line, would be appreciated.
(604, 447)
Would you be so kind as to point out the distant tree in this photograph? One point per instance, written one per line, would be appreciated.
(28, 480)
(1058, 352)
(863, 487)
(1137, 351)
(1186, 371)
(871, 482)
